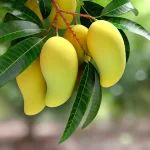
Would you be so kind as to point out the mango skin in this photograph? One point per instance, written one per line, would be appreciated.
(59, 65)
(67, 5)
(33, 88)
(107, 48)
(33, 5)
(81, 33)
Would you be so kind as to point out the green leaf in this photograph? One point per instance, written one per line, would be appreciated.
(18, 58)
(127, 44)
(92, 9)
(45, 7)
(96, 98)
(118, 7)
(16, 29)
(21, 1)
(126, 24)
(80, 2)
(19, 10)
(9, 17)
(81, 101)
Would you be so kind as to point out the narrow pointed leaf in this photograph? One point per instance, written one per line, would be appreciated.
(127, 44)
(118, 7)
(45, 7)
(18, 58)
(126, 24)
(92, 9)
(19, 10)
(95, 99)
(81, 101)
(16, 29)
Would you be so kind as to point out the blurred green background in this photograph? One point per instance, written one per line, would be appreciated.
(129, 99)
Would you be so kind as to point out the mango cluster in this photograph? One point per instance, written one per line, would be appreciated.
(52, 78)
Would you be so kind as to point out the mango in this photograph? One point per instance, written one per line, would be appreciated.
(33, 88)
(59, 65)
(33, 5)
(107, 48)
(67, 5)
(81, 33)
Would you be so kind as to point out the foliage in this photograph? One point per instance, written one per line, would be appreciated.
(28, 25)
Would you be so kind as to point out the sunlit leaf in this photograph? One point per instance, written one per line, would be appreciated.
(118, 7)
(18, 58)
(16, 29)
(126, 24)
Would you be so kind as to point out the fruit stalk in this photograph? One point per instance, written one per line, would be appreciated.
(76, 14)
(59, 11)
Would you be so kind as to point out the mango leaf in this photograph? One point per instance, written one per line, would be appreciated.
(19, 10)
(127, 44)
(18, 58)
(81, 101)
(118, 7)
(96, 98)
(16, 29)
(45, 7)
(92, 9)
(128, 25)
(80, 2)
(22, 1)
(9, 17)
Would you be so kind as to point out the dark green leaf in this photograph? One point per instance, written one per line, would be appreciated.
(126, 24)
(81, 101)
(9, 17)
(19, 10)
(96, 98)
(16, 29)
(127, 44)
(14, 42)
(23, 1)
(118, 7)
(45, 7)
(18, 58)
(92, 9)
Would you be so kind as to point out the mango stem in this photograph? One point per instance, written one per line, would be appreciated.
(60, 13)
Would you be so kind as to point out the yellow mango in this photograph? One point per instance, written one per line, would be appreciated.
(67, 5)
(107, 48)
(33, 5)
(33, 88)
(59, 65)
(81, 33)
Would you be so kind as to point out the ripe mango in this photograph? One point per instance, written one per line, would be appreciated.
(107, 48)
(81, 33)
(59, 65)
(33, 5)
(33, 88)
(67, 5)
